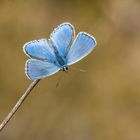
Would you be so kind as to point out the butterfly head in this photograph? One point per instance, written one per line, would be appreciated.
(65, 68)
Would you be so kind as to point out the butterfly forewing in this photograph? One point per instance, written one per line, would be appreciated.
(81, 47)
(62, 38)
(39, 49)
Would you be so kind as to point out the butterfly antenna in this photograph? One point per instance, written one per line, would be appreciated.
(78, 69)
(59, 79)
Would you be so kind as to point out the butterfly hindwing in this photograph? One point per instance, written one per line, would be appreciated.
(81, 47)
(36, 69)
(39, 49)
(62, 38)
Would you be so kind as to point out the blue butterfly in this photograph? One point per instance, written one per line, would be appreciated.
(57, 53)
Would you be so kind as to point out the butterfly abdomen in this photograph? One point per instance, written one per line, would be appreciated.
(61, 61)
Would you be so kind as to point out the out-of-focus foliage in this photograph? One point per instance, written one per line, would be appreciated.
(101, 104)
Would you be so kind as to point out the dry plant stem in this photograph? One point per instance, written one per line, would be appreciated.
(18, 104)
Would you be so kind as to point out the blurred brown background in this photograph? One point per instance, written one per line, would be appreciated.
(101, 104)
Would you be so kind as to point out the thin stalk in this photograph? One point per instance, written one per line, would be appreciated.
(18, 104)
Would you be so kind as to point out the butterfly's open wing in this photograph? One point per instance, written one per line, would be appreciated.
(61, 38)
(81, 47)
(39, 49)
(36, 69)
